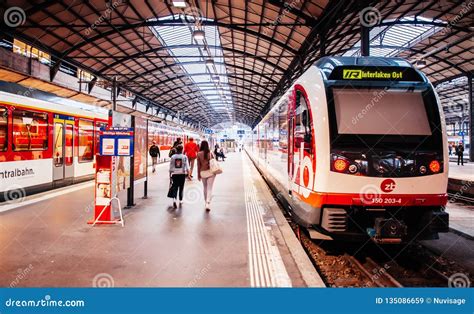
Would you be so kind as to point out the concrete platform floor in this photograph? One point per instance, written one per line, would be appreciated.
(465, 173)
(240, 243)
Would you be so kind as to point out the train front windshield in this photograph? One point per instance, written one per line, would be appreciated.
(383, 112)
(382, 117)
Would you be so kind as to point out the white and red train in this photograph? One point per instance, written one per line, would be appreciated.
(357, 148)
(45, 144)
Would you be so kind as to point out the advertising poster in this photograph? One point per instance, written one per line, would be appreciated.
(123, 163)
(108, 147)
(140, 148)
(103, 188)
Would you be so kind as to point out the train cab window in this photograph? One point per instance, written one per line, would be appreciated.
(30, 130)
(58, 144)
(302, 124)
(86, 141)
(3, 129)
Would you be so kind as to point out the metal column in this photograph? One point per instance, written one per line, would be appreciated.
(364, 41)
(471, 118)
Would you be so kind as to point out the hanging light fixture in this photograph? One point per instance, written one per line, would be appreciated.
(209, 62)
(199, 34)
(179, 3)
(421, 63)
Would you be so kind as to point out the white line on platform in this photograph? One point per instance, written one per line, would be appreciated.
(45, 196)
(265, 263)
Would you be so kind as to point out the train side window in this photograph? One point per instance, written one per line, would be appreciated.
(3, 129)
(302, 124)
(86, 141)
(30, 130)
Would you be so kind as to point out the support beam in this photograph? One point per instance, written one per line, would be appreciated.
(471, 119)
(91, 84)
(54, 70)
(364, 41)
(114, 94)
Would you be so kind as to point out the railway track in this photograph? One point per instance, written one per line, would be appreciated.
(345, 265)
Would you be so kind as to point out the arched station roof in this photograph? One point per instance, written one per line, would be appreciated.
(258, 47)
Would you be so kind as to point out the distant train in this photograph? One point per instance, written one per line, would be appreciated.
(45, 145)
(357, 148)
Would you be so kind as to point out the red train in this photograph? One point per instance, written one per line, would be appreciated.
(45, 144)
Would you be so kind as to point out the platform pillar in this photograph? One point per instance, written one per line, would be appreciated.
(471, 118)
(364, 41)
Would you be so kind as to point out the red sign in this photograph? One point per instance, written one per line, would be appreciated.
(388, 185)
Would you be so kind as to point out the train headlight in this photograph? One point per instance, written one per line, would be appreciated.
(435, 167)
(353, 168)
(340, 165)
(422, 169)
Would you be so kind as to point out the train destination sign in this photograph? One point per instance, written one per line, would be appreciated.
(360, 74)
(375, 74)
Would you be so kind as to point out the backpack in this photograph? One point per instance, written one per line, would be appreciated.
(172, 152)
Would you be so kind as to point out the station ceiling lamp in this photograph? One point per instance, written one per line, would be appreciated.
(209, 62)
(421, 63)
(198, 34)
(179, 4)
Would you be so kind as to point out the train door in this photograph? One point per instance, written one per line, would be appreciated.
(300, 140)
(291, 137)
(63, 148)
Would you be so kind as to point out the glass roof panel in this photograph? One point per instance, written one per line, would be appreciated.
(400, 35)
(211, 81)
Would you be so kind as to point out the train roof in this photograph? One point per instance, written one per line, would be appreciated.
(362, 61)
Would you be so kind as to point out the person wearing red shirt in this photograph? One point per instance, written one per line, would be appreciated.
(190, 150)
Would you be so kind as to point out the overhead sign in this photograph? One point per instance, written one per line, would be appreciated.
(117, 141)
(375, 74)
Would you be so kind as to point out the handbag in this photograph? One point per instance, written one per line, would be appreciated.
(206, 174)
(214, 167)
(171, 190)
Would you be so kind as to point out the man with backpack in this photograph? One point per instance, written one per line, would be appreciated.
(175, 145)
(190, 150)
(154, 152)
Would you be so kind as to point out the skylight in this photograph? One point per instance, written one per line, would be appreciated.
(210, 77)
(400, 35)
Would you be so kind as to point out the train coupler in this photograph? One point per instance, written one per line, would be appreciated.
(387, 231)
